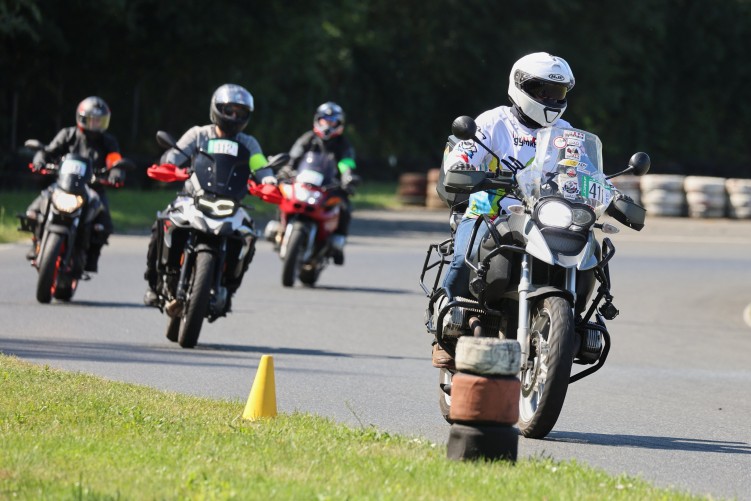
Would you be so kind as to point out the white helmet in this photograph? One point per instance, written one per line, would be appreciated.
(537, 87)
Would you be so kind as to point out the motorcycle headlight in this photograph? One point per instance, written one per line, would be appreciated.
(556, 214)
(66, 202)
(306, 195)
(220, 207)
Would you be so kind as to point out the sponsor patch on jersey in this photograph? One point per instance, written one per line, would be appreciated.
(559, 143)
(524, 140)
(222, 147)
(571, 172)
(574, 142)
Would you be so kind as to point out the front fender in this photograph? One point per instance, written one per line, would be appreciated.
(541, 293)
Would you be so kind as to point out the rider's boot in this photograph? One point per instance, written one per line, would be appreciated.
(441, 358)
(337, 248)
(150, 297)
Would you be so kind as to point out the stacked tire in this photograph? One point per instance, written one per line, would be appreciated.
(485, 393)
(432, 200)
(663, 195)
(705, 196)
(739, 198)
(412, 188)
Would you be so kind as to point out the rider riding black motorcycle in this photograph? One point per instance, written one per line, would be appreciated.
(89, 139)
(230, 109)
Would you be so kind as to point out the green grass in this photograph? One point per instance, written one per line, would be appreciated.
(74, 436)
(133, 211)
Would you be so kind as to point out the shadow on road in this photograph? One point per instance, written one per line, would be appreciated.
(651, 442)
(205, 355)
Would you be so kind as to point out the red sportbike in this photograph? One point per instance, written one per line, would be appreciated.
(309, 208)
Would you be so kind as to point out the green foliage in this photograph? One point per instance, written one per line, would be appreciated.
(73, 436)
(652, 75)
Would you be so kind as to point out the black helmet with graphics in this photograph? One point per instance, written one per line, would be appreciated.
(93, 115)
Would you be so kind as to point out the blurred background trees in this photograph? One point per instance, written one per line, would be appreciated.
(663, 76)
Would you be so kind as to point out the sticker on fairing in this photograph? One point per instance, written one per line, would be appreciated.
(574, 142)
(223, 147)
(568, 162)
(73, 168)
(570, 188)
(573, 152)
(595, 191)
(573, 134)
(559, 142)
(310, 177)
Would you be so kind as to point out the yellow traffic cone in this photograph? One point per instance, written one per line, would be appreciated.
(262, 398)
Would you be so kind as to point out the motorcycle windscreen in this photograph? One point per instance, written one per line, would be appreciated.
(73, 175)
(316, 168)
(223, 168)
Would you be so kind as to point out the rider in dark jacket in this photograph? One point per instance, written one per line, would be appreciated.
(90, 139)
(230, 109)
(327, 136)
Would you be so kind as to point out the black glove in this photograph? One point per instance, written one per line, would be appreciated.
(116, 177)
(461, 166)
(623, 196)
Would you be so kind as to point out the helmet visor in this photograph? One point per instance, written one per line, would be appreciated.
(543, 91)
(96, 123)
(234, 111)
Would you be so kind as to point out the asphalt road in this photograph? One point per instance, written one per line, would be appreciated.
(671, 404)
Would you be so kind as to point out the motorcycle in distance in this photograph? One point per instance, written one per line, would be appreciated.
(309, 210)
(533, 272)
(206, 238)
(65, 224)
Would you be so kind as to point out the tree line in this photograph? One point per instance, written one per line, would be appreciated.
(663, 76)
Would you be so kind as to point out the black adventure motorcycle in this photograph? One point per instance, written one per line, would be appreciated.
(534, 272)
(65, 225)
(206, 237)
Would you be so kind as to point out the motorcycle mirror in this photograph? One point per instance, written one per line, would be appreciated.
(33, 144)
(464, 128)
(278, 160)
(640, 163)
(165, 140)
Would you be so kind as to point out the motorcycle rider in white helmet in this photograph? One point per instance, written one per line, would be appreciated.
(538, 86)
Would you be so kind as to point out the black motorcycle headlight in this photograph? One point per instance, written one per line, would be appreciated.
(218, 207)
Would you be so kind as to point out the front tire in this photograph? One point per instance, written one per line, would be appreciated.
(197, 302)
(545, 380)
(293, 257)
(48, 267)
(444, 399)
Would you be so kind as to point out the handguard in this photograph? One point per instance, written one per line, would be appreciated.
(267, 192)
(167, 173)
(627, 212)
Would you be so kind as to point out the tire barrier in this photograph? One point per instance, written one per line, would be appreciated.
(432, 200)
(485, 400)
(739, 197)
(663, 195)
(412, 188)
(706, 196)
